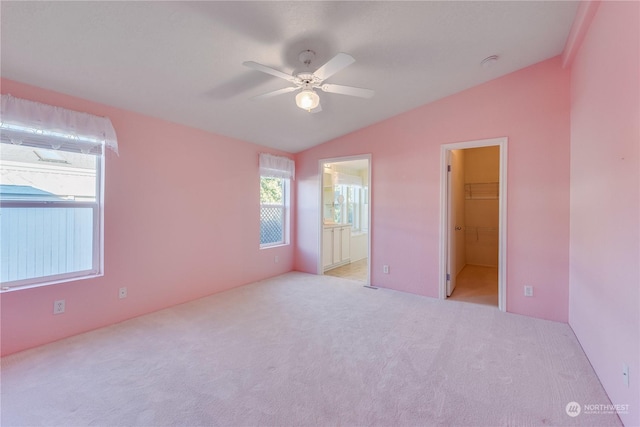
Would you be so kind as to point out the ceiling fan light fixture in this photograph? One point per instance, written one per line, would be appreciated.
(307, 99)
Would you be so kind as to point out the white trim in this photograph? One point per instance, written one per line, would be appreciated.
(502, 226)
(51, 280)
(286, 214)
(321, 162)
(101, 172)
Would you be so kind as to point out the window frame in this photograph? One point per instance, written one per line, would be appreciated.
(97, 206)
(357, 204)
(356, 208)
(286, 184)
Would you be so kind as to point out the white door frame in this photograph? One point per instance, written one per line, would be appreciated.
(451, 222)
(321, 163)
(502, 222)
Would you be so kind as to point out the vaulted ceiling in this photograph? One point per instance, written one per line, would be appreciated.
(182, 61)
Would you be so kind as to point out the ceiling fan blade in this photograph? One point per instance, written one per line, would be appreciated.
(269, 70)
(348, 90)
(275, 92)
(335, 64)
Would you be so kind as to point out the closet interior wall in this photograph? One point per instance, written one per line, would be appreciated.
(481, 205)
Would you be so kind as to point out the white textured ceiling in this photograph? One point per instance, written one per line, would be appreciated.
(182, 61)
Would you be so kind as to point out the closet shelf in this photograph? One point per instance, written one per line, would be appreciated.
(481, 190)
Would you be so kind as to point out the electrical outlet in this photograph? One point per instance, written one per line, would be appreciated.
(122, 293)
(528, 291)
(58, 307)
(385, 269)
(276, 259)
(625, 374)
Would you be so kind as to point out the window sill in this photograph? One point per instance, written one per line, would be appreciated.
(277, 245)
(5, 289)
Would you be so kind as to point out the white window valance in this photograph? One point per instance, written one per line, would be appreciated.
(277, 166)
(46, 126)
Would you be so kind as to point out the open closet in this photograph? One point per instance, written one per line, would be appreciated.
(475, 196)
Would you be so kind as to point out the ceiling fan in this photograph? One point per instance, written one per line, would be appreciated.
(307, 82)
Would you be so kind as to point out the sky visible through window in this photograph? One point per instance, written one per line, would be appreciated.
(37, 172)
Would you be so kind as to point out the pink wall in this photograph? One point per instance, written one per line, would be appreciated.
(605, 204)
(180, 223)
(531, 108)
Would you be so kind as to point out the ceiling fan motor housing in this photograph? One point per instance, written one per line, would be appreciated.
(307, 79)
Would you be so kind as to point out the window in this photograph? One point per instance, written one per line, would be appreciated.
(272, 211)
(355, 207)
(351, 206)
(51, 192)
(275, 175)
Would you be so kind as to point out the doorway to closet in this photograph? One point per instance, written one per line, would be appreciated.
(345, 218)
(473, 226)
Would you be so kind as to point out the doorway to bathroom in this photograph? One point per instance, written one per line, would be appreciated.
(473, 222)
(345, 218)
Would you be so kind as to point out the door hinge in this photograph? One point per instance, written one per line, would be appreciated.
(448, 168)
(448, 277)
